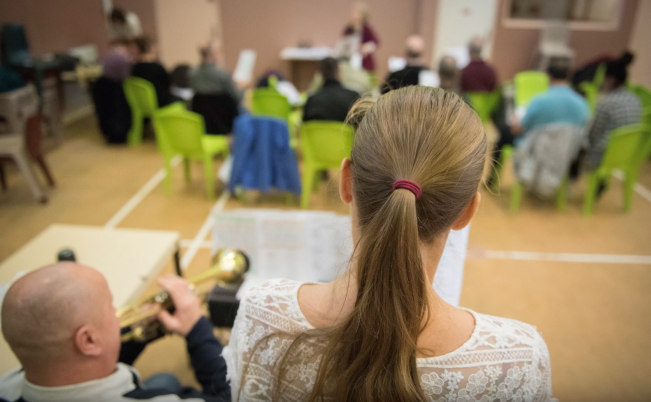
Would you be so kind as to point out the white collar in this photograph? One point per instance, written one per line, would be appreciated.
(107, 389)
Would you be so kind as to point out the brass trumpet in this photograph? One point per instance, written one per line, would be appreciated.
(138, 322)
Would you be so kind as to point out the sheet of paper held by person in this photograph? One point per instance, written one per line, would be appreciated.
(314, 246)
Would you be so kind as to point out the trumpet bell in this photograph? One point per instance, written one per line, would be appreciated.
(230, 266)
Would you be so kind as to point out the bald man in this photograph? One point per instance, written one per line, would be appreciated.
(60, 323)
(477, 76)
(414, 47)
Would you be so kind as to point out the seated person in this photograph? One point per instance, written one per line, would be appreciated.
(286, 88)
(449, 74)
(477, 76)
(357, 80)
(380, 332)
(559, 104)
(147, 67)
(208, 79)
(332, 101)
(117, 63)
(618, 108)
(60, 322)
(411, 73)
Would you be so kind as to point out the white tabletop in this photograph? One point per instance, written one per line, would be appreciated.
(129, 259)
(305, 53)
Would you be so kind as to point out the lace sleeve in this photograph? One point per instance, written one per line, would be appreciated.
(544, 392)
(263, 329)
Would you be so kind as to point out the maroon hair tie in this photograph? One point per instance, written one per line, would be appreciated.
(408, 185)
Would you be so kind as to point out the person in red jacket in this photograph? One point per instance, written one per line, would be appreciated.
(361, 31)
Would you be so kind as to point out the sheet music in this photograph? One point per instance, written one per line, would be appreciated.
(245, 64)
(314, 246)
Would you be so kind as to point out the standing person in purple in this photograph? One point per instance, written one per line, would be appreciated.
(361, 31)
(477, 76)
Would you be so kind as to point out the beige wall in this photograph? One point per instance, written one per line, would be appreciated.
(269, 26)
(641, 45)
(57, 25)
(514, 48)
(184, 26)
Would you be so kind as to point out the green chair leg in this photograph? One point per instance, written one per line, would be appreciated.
(308, 184)
(167, 182)
(505, 155)
(590, 194)
(209, 176)
(561, 195)
(186, 169)
(629, 185)
(516, 197)
(134, 137)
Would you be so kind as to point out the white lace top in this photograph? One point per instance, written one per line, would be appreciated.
(504, 360)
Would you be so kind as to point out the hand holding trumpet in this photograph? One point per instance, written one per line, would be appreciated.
(187, 306)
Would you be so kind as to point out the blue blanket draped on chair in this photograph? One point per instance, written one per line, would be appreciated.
(262, 158)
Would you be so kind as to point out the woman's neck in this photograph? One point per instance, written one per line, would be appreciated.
(332, 302)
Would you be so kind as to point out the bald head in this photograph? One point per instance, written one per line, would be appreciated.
(415, 45)
(45, 312)
(474, 47)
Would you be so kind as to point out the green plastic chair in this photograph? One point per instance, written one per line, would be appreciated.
(529, 84)
(269, 102)
(324, 144)
(505, 155)
(628, 149)
(591, 88)
(180, 132)
(484, 103)
(643, 93)
(646, 115)
(561, 196)
(141, 96)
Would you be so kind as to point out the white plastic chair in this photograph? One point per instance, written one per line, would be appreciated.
(15, 108)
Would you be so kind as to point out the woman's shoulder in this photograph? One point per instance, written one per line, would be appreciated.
(275, 302)
(509, 338)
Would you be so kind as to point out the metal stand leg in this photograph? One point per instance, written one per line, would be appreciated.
(177, 263)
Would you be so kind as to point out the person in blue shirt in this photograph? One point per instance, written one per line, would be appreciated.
(559, 104)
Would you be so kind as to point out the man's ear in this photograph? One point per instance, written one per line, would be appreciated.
(345, 184)
(468, 212)
(87, 341)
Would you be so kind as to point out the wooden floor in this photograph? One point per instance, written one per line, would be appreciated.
(594, 316)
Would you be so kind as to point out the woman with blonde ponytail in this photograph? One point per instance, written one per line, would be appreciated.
(380, 332)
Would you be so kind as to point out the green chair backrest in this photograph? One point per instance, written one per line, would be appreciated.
(179, 131)
(643, 93)
(646, 115)
(599, 75)
(269, 102)
(529, 84)
(484, 103)
(628, 147)
(141, 95)
(326, 143)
